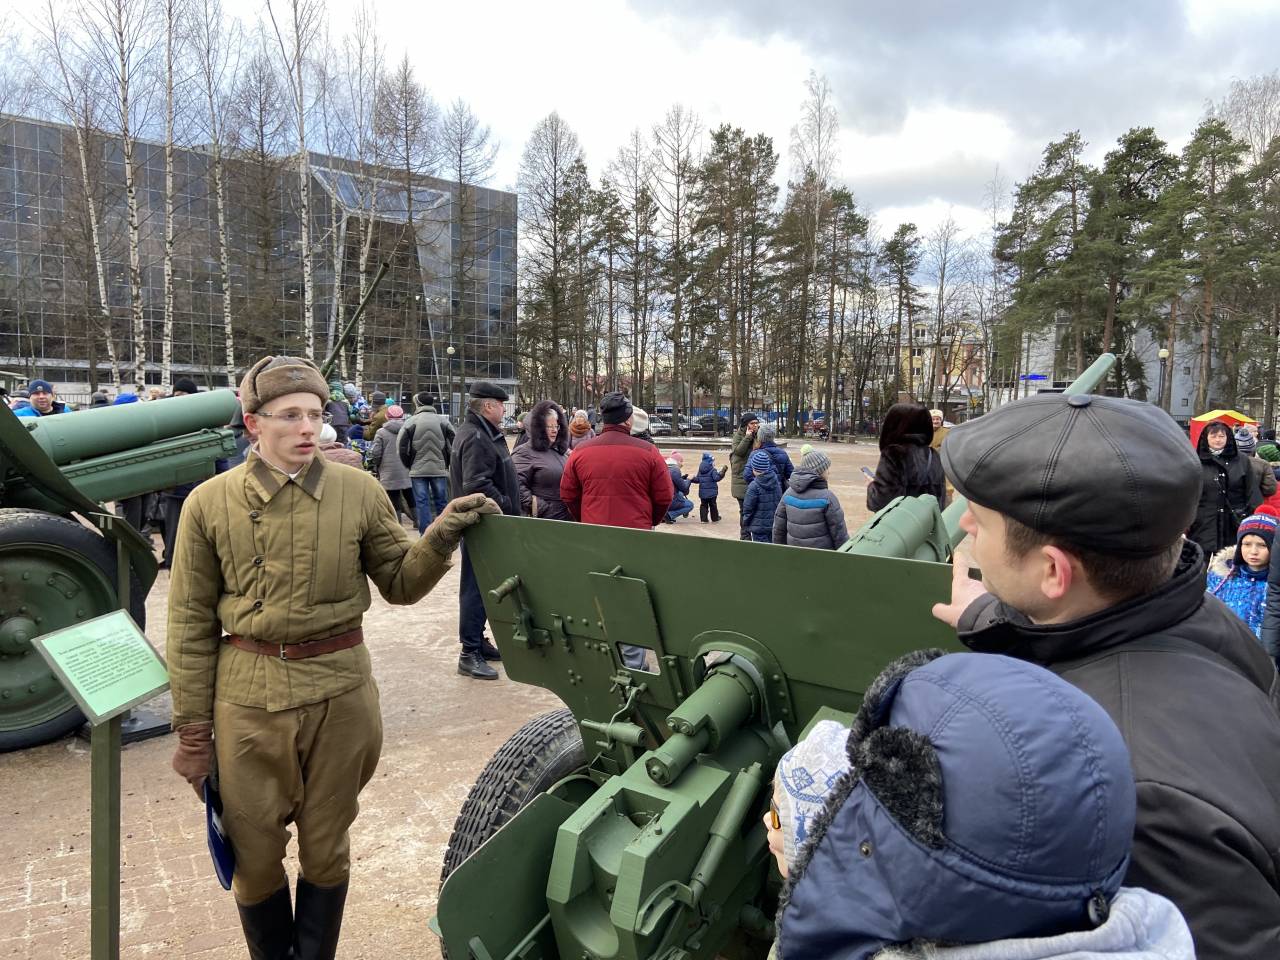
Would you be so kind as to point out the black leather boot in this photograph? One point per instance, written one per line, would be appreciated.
(488, 650)
(268, 927)
(318, 920)
(472, 665)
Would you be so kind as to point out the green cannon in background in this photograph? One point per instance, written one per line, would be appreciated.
(59, 548)
(56, 569)
(628, 826)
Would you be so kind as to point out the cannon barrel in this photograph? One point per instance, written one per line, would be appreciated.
(94, 433)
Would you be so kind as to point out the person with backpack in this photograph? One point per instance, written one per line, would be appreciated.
(423, 446)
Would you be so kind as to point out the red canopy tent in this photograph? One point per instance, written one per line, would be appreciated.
(1232, 418)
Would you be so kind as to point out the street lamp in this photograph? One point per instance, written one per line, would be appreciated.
(1163, 354)
(449, 351)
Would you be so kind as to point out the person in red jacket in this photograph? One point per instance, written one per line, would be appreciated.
(615, 479)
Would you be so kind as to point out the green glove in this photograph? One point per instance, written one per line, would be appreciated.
(445, 532)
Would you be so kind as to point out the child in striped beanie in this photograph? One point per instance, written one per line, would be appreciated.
(1238, 576)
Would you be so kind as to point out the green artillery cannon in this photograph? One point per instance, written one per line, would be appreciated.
(628, 826)
(59, 548)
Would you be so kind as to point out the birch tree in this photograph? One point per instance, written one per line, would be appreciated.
(303, 21)
(216, 48)
(630, 177)
(546, 168)
(815, 149)
(675, 167)
(71, 86)
(467, 155)
(120, 35)
(170, 11)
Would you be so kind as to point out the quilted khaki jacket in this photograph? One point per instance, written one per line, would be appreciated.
(283, 562)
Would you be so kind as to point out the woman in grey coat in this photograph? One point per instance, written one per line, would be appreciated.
(809, 515)
(540, 462)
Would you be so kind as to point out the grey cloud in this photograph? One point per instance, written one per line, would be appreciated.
(957, 180)
(1047, 66)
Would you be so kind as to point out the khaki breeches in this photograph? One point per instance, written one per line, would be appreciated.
(305, 766)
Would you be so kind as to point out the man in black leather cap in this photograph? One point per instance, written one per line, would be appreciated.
(1077, 506)
(480, 463)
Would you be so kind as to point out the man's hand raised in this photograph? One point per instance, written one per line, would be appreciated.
(964, 590)
(445, 532)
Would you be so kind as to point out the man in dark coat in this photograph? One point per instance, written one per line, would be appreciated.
(480, 463)
(1229, 490)
(1076, 509)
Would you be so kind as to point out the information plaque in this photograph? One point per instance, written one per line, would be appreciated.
(106, 664)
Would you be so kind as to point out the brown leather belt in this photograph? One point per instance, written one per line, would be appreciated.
(299, 651)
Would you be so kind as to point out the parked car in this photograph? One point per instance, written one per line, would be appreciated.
(714, 424)
(510, 425)
(659, 427)
(688, 425)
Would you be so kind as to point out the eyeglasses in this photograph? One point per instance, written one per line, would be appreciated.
(775, 820)
(296, 416)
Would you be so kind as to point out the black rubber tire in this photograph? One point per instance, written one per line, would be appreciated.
(541, 753)
(19, 526)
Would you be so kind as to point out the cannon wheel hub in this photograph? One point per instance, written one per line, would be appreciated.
(54, 573)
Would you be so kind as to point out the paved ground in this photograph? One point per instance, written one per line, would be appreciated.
(440, 730)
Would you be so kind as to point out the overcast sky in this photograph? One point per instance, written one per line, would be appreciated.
(933, 96)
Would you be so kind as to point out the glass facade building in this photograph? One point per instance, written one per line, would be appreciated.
(451, 252)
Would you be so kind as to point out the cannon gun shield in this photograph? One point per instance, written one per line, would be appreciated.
(654, 848)
(663, 851)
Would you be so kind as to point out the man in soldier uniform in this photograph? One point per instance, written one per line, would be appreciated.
(267, 662)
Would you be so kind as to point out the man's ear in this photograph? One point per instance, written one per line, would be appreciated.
(1058, 572)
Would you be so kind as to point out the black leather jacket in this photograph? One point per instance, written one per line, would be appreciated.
(1198, 703)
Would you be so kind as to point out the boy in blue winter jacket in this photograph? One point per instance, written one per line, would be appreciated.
(809, 514)
(709, 488)
(1238, 576)
(763, 497)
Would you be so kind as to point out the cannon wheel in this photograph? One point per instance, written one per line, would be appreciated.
(544, 751)
(53, 573)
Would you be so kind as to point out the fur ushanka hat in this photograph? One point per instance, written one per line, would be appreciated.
(986, 799)
(273, 377)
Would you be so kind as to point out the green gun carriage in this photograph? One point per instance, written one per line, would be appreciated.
(627, 826)
(59, 548)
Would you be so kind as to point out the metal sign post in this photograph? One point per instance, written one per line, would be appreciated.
(108, 666)
(104, 754)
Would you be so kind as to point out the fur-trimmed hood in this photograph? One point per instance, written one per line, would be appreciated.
(1223, 562)
(536, 426)
(986, 799)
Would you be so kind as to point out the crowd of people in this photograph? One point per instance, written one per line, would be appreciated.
(1097, 776)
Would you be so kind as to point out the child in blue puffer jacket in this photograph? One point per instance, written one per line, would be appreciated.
(1238, 576)
(763, 497)
(709, 488)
